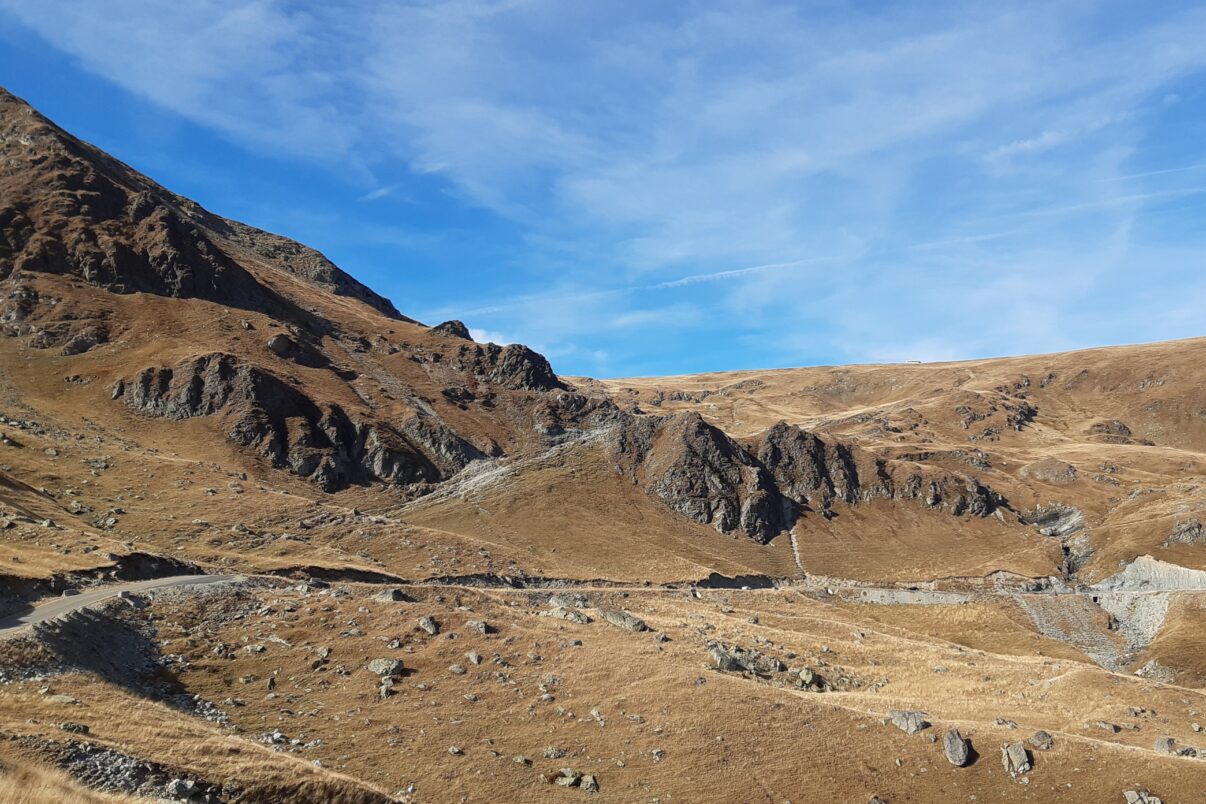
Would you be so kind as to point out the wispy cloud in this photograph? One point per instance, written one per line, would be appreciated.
(826, 181)
(379, 193)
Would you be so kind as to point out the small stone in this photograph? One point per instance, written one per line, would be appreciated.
(589, 783)
(457, 670)
(1165, 745)
(456, 750)
(74, 728)
(473, 657)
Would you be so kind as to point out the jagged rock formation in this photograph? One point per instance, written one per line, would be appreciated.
(453, 329)
(515, 367)
(291, 430)
(762, 487)
(68, 210)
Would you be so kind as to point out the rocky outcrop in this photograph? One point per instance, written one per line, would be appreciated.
(292, 431)
(1188, 531)
(452, 329)
(515, 367)
(1056, 519)
(703, 474)
(736, 659)
(761, 488)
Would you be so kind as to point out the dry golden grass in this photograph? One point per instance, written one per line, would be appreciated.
(23, 782)
(777, 744)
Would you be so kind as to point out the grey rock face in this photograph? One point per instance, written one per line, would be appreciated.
(956, 749)
(1165, 745)
(761, 488)
(1056, 519)
(292, 431)
(1188, 531)
(85, 340)
(1015, 759)
(453, 329)
(429, 624)
(735, 659)
(622, 619)
(515, 367)
(910, 722)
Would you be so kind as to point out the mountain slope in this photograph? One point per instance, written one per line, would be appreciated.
(990, 541)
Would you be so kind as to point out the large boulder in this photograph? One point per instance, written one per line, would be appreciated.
(956, 749)
(1015, 759)
(1042, 741)
(385, 667)
(622, 619)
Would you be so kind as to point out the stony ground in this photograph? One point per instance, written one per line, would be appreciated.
(697, 696)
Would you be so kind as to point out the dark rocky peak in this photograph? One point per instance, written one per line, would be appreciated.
(321, 442)
(763, 488)
(515, 367)
(453, 329)
(68, 208)
(806, 468)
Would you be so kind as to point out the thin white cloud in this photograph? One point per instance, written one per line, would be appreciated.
(379, 193)
(840, 161)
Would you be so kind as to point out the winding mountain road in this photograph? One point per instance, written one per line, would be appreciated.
(57, 607)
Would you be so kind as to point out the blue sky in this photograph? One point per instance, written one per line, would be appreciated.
(641, 188)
